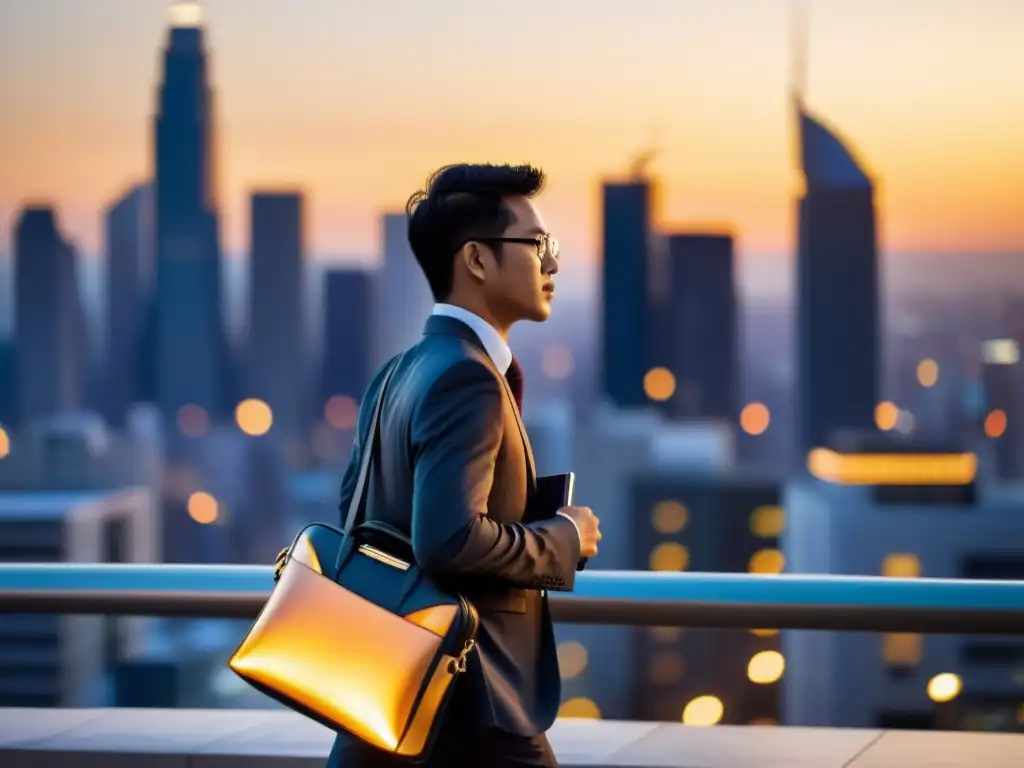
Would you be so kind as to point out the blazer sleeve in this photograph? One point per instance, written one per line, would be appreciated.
(456, 430)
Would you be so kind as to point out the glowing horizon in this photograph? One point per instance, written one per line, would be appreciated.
(356, 108)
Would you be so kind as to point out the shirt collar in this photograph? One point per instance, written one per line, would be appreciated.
(494, 345)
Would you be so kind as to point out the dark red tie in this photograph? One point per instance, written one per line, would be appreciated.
(514, 376)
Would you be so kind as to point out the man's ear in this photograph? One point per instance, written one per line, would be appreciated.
(472, 256)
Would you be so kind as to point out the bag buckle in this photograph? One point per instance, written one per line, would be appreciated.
(458, 665)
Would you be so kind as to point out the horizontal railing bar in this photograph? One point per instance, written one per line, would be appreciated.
(713, 600)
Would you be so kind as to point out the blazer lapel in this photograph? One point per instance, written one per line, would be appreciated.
(439, 324)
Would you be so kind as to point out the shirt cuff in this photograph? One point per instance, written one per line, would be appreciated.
(574, 525)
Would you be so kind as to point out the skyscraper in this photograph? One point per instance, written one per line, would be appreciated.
(624, 306)
(129, 242)
(403, 301)
(347, 338)
(837, 285)
(277, 341)
(191, 365)
(702, 318)
(49, 321)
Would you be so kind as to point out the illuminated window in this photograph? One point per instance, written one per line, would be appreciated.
(755, 418)
(669, 517)
(901, 566)
(659, 384)
(767, 561)
(704, 711)
(572, 659)
(579, 707)
(902, 649)
(927, 373)
(768, 521)
(670, 556)
(892, 468)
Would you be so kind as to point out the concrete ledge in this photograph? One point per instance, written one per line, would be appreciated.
(179, 738)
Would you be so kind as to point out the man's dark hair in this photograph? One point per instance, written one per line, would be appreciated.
(459, 203)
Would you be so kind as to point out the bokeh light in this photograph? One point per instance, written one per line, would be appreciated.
(202, 507)
(659, 384)
(192, 420)
(254, 417)
(703, 711)
(341, 412)
(755, 418)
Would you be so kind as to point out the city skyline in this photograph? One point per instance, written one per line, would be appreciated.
(938, 128)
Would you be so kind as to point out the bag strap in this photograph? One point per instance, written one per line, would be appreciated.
(370, 446)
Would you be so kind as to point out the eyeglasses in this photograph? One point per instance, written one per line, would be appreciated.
(546, 245)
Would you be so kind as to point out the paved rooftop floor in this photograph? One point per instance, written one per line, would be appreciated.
(181, 738)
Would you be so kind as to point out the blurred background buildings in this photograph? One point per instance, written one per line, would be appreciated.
(871, 425)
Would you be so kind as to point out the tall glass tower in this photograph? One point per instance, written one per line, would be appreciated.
(188, 342)
(838, 306)
(625, 304)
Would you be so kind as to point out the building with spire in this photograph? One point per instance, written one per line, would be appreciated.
(838, 307)
(190, 363)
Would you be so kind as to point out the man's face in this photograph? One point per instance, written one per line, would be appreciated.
(523, 285)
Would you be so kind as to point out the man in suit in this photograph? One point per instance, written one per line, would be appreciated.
(455, 469)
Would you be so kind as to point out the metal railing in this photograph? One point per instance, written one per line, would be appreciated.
(712, 600)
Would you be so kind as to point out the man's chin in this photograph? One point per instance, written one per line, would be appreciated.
(540, 313)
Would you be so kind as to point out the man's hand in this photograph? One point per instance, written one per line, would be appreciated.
(588, 526)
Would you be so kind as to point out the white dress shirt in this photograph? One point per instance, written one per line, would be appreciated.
(495, 346)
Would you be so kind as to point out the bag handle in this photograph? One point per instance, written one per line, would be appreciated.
(370, 447)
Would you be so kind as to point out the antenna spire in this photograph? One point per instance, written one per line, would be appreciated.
(646, 156)
(799, 13)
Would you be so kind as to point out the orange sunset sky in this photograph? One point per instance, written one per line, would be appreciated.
(357, 100)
